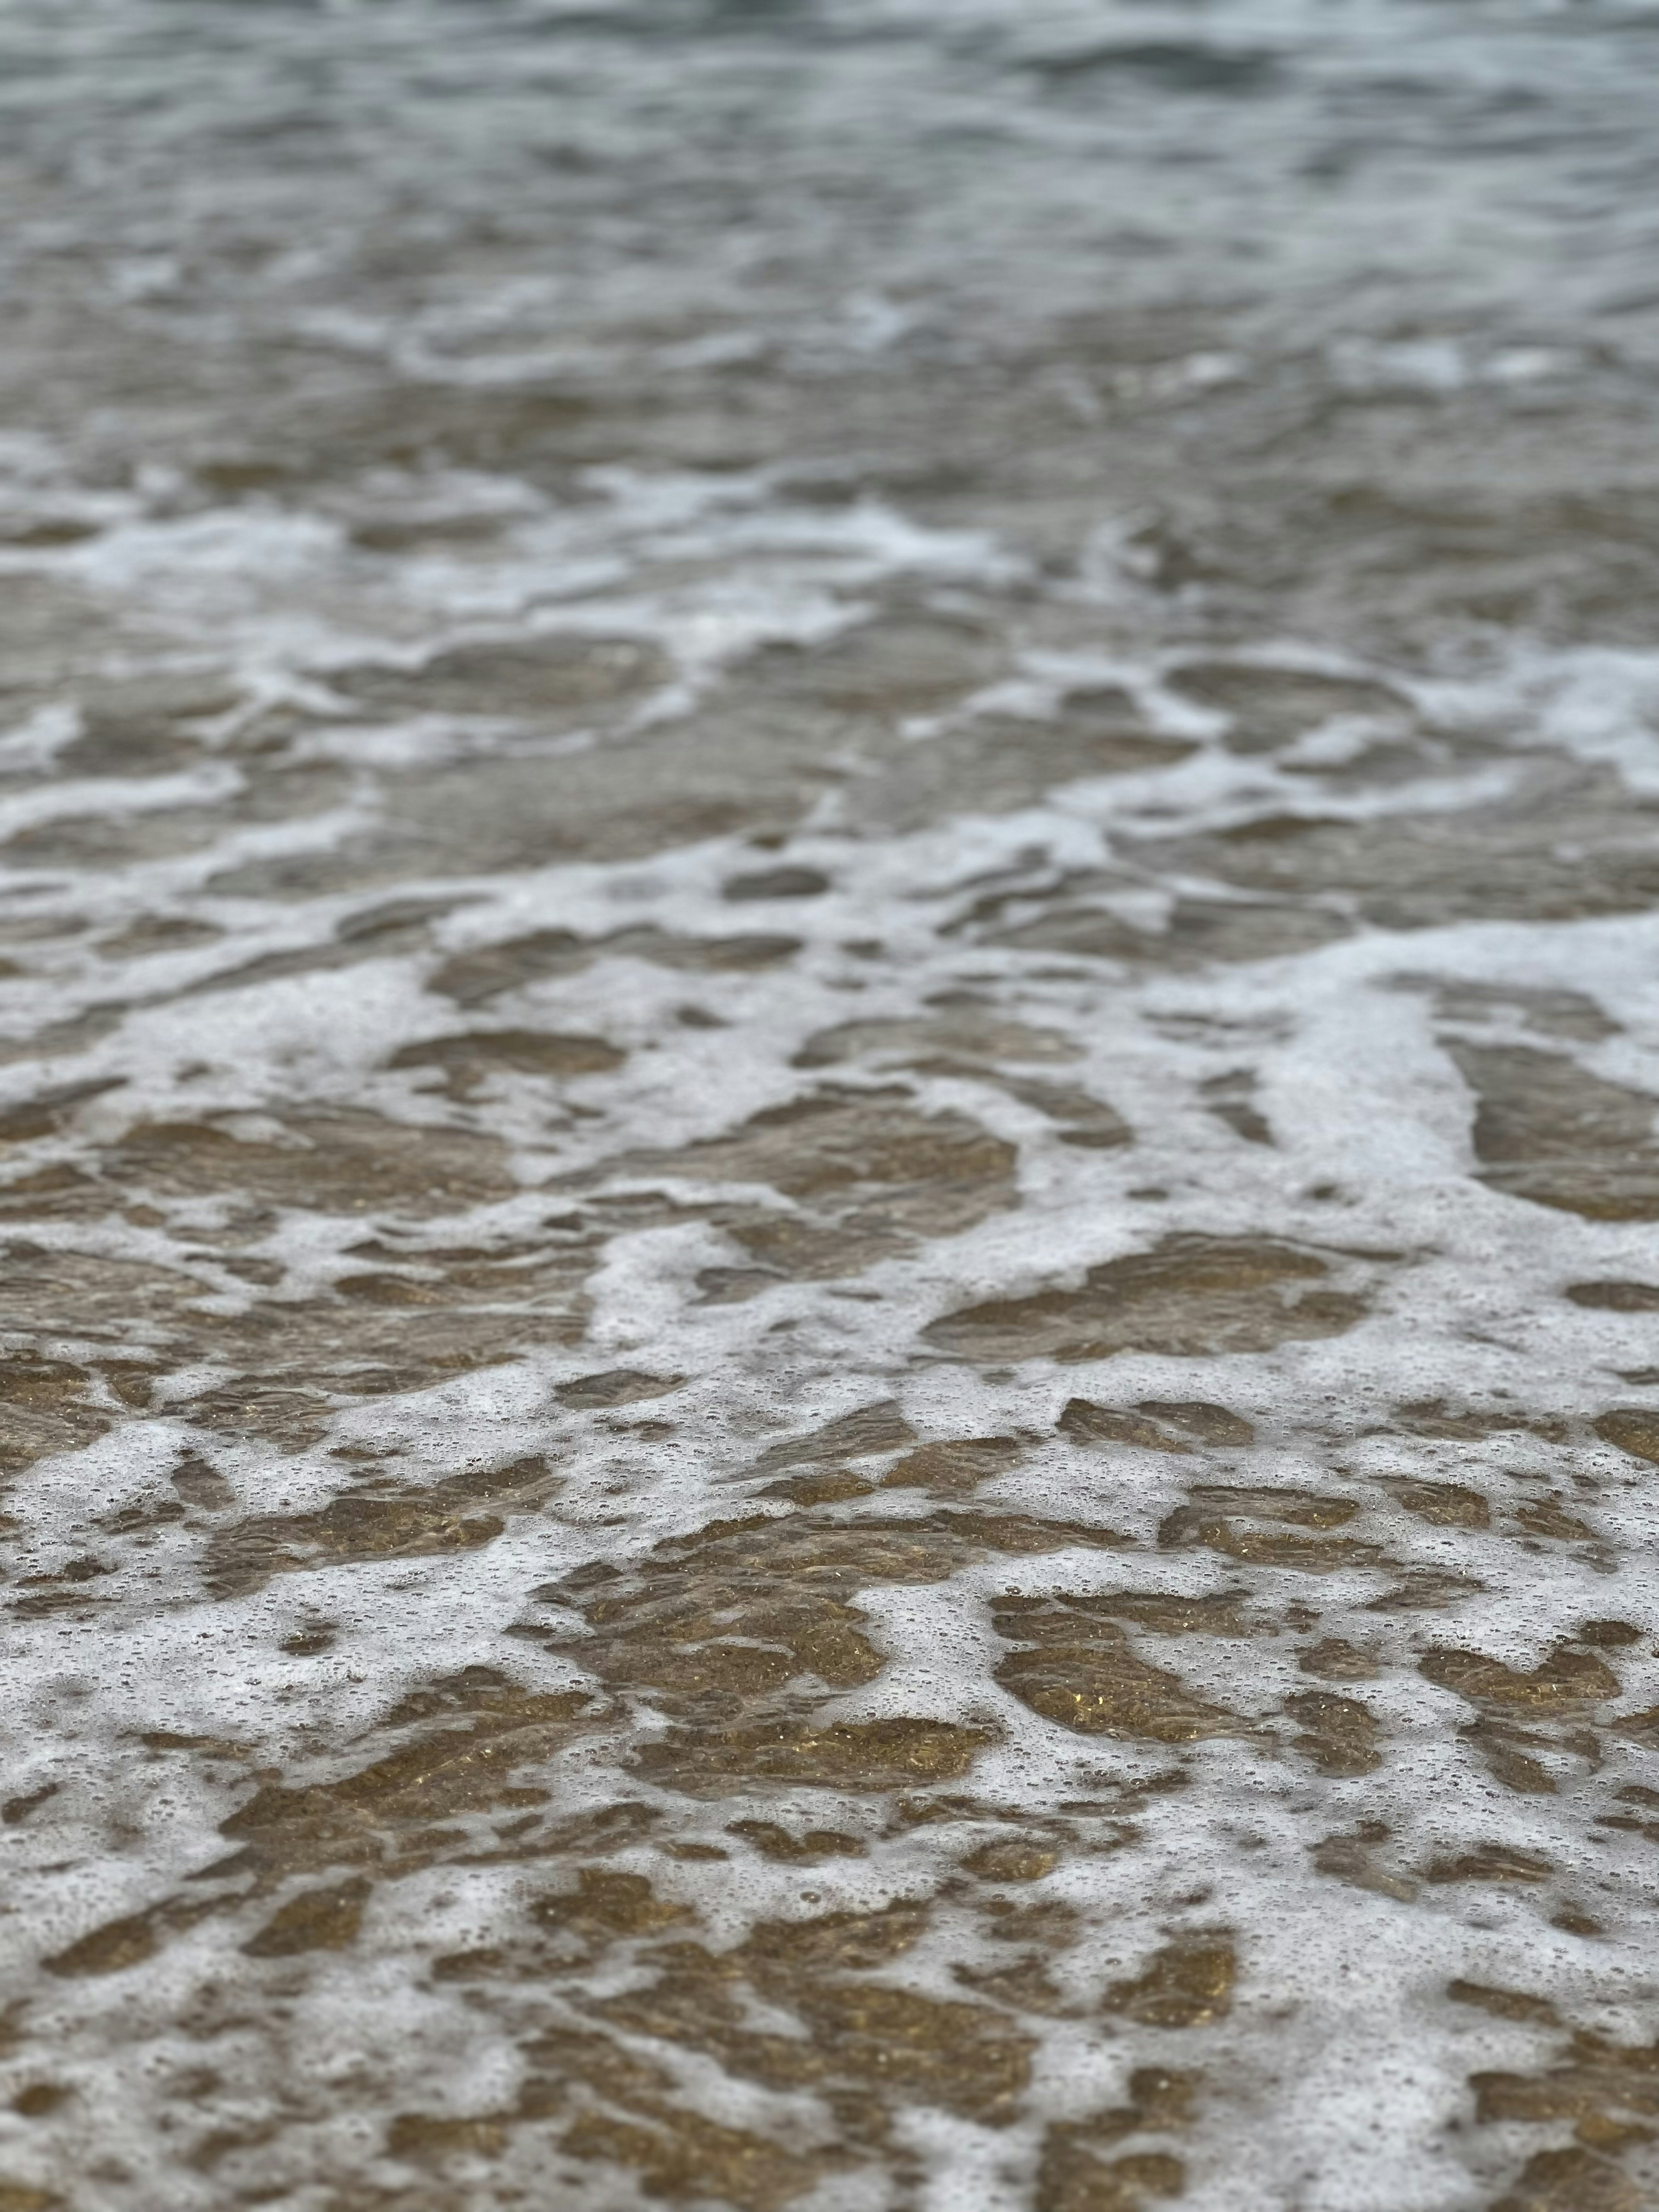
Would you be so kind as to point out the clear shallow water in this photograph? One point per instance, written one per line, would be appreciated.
(827, 1073)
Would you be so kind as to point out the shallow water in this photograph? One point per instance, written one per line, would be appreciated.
(828, 869)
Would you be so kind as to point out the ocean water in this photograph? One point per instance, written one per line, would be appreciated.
(829, 1046)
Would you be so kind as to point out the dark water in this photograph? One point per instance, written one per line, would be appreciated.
(828, 1037)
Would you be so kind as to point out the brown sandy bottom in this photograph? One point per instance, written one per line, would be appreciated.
(830, 1334)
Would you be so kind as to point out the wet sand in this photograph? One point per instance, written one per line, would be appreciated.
(828, 1053)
